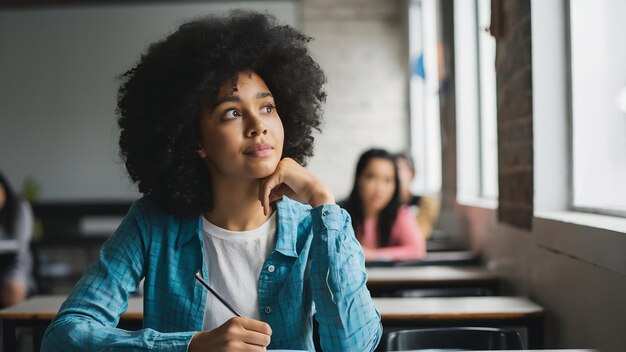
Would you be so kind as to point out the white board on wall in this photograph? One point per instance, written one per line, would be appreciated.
(58, 86)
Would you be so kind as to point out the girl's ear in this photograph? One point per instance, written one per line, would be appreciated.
(201, 153)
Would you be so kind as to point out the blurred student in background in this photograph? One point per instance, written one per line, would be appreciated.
(16, 223)
(425, 209)
(383, 226)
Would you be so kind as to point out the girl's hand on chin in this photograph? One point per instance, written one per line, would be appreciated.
(294, 181)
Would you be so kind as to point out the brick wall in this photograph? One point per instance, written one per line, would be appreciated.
(511, 27)
(362, 47)
(514, 102)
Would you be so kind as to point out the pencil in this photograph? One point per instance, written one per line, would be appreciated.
(205, 284)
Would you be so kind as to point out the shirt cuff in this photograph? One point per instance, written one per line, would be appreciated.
(327, 216)
(176, 341)
(189, 343)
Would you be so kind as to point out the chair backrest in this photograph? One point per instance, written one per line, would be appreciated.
(466, 338)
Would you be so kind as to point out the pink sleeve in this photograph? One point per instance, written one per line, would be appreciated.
(407, 236)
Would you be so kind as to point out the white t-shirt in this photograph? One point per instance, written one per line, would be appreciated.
(235, 260)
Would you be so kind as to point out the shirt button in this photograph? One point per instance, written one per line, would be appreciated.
(271, 268)
(268, 310)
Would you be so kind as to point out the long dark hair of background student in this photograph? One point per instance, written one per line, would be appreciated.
(8, 212)
(354, 205)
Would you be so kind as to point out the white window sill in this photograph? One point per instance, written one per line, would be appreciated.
(478, 202)
(604, 222)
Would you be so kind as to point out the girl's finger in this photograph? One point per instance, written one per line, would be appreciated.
(280, 191)
(255, 341)
(256, 325)
(266, 188)
(274, 196)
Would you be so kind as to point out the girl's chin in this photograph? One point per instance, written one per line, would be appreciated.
(263, 171)
(377, 207)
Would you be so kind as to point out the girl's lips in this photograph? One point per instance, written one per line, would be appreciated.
(260, 152)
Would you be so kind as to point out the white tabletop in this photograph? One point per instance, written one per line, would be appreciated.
(433, 308)
(46, 308)
(433, 274)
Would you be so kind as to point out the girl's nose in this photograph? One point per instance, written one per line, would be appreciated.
(255, 127)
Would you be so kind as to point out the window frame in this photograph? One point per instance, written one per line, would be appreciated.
(570, 123)
(471, 143)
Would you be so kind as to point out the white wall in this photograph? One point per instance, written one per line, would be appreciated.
(362, 47)
(59, 68)
(58, 86)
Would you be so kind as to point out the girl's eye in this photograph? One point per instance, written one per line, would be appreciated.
(268, 109)
(231, 113)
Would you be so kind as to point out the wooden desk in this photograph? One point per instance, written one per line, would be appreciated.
(432, 258)
(38, 311)
(385, 280)
(444, 246)
(463, 311)
(395, 313)
(47, 307)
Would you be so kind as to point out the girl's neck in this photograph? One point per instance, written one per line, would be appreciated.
(236, 205)
(405, 197)
(370, 213)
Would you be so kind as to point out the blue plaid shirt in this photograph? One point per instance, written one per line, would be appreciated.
(319, 266)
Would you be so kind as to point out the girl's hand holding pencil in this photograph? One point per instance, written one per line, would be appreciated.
(237, 334)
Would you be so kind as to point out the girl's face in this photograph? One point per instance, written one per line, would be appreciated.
(241, 133)
(377, 184)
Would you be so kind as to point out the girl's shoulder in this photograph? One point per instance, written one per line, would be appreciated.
(148, 213)
(146, 208)
(158, 225)
(24, 208)
(403, 210)
(403, 214)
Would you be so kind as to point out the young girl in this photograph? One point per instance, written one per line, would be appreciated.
(216, 122)
(384, 227)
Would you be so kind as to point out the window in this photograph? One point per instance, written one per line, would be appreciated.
(424, 96)
(598, 105)
(477, 150)
(488, 112)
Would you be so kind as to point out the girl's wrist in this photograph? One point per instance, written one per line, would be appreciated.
(322, 195)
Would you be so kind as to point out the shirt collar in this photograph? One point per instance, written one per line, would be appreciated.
(286, 238)
(188, 229)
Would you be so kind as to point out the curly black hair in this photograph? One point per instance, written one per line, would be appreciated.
(160, 99)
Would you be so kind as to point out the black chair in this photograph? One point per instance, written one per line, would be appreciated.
(454, 339)
(44, 284)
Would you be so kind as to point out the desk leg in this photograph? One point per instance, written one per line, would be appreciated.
(9, 340)
(535, 334)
